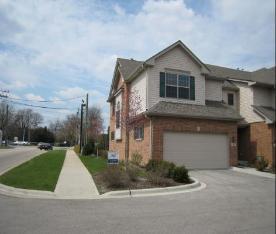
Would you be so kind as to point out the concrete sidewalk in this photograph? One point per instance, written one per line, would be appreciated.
(75, 182)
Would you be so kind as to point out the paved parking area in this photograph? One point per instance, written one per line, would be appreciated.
(232, 202)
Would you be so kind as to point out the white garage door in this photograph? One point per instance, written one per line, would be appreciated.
(196, 151)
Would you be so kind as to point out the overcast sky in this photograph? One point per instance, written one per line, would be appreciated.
(66, 48)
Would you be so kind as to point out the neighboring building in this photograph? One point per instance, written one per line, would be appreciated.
(194, 113)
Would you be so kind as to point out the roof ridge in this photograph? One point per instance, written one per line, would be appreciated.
(131, 59)
(229, 68)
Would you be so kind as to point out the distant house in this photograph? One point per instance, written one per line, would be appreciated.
(196, 114)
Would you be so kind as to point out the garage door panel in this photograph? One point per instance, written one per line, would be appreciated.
(196, 151)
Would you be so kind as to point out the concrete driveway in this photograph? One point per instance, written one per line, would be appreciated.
(232, 203)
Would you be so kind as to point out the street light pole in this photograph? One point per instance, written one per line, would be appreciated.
(81, 125)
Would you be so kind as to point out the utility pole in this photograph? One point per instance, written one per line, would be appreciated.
(81, 126)
(86, 120)
(77, 128)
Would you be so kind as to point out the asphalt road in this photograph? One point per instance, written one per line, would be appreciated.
(232, 203)
(12, 157)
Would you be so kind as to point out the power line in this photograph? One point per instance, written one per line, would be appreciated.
(57, 100)
(43, 107)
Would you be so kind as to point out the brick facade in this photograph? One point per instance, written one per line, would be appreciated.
(256, 140)
(141, 146)
(162, 124)
(261, 141)
(152, 144)
(118, 145)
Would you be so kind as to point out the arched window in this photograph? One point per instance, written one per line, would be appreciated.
(118, 115)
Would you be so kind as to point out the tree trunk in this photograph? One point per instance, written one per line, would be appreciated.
(127, 146)
(29, 134)
(23, 138)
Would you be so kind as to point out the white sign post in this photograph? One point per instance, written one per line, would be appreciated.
(112, 157)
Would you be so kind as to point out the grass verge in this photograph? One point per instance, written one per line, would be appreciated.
(5, 147)
(94, 164)
(39, 173)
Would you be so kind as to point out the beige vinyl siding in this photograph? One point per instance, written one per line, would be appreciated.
(236, 100)
(175, 59)
(262, 96)
(140, 85)
(213, 90)
(246, 102)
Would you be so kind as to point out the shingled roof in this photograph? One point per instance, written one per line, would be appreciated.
(212, 110)
(262, 76)
(224, 72)
(266, 111)
(227, 84)
(128, 66)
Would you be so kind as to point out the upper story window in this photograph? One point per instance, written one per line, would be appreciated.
(174, 85)
(230, 99)
(139, 133)
(112, 135)
(118, 115)
(113, 107)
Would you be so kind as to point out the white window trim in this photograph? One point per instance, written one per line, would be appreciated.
(140, 138)
(177, 85)
(228, 99)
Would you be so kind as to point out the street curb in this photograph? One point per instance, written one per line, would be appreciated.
(26, 193)
(195, 186)
(255, 173)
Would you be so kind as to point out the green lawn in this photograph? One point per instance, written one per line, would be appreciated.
(5, 147)
(94, 164)
(39, 173)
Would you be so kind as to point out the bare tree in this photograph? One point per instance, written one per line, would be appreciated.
(27, 119)
(69, 127)
(131, 117)
(6, 118)
(95, 123)
(21, 122)
(57, 128)
(36, 119)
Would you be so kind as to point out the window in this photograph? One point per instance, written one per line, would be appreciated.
(171, 85)
(139, 133)
(118, 115)
(113, 107)
(180, 86)
(230, 99)
(184, 87)
(112, 135)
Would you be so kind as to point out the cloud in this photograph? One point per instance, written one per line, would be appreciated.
(119, 10)
(31, 96)
(72, 45)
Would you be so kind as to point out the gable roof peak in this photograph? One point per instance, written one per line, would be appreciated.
(151, 60)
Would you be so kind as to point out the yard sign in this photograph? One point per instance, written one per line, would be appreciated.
(113, 157)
